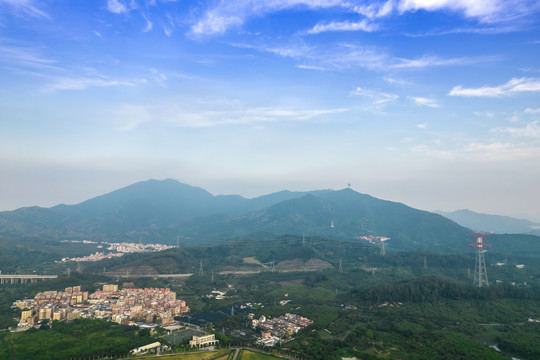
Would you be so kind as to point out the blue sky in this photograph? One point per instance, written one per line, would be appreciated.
(434, 103)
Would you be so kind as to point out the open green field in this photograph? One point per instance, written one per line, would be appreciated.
(200, 355)
(251, 355)
(215, 355)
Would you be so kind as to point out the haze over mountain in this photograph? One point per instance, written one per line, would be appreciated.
(161, 211)
(491, 223)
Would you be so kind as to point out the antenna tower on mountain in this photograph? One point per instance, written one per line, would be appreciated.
(480, 272)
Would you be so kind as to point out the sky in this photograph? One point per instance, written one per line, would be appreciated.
(433, 103)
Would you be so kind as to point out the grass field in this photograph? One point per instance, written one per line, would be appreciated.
(215, 355)
(251, 355)
(200, 355)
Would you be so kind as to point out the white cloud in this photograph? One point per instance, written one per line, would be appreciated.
(227, 14)
(485, 30)
(472, 8)
(398, 82)
(169, 26)
(422, 101)
(25, 57)
(339, 57)
(168, 31)
(489, 115)
(158, 77)
(429, 61)
(311, 67)
(532, 111)
(245, 116)
(26, 7)
(116, 7)
(149, 24)
(484, 10)
(421, 126)
(81, 83)
(375, 10)
(343, 26)
(515, 85)
(380, 99)
(212, 114)
(532, 130)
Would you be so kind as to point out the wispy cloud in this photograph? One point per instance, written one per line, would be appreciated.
(343, 26)
(247, 116)
(224, 113)
(169, 25)
(380, 99)
(149, 24)
(514, 86)
(422, 101)
(226, 14)
(116, 7)
(344, 56)
(311, 67)
(481, 29)
(25, 7)
(531, 130)
(532, 111)
(25, 57)
(432, 61)
(81, 83)
(159, 77)
(484, 10)
(397, 82)
(375, 9)
(341, 56)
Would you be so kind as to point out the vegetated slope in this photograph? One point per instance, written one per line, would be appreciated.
(148, 205)
(491, 223)
(352, 215)
(159, 211)
(148, 209)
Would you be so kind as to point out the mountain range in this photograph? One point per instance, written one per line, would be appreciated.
(491, 223)
(168, 211)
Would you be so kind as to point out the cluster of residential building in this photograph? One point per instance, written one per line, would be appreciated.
(151, 305)
(120, 248)
(373, 239)
(277, 329)
(133, 247)
(97, 256)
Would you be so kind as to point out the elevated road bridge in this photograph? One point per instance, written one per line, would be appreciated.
(22, 279)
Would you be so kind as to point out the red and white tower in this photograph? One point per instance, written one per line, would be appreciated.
(480, 272)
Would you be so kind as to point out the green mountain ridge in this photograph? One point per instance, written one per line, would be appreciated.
(162, 210)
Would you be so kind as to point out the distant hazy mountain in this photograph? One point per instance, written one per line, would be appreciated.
(491, 223)
(159, 211)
